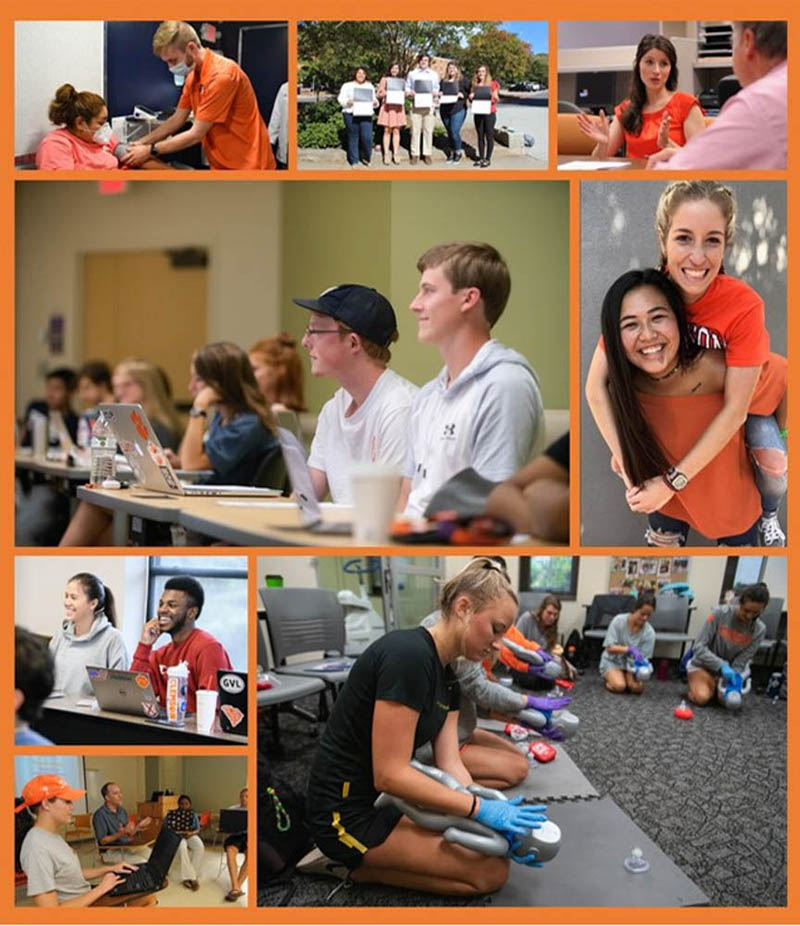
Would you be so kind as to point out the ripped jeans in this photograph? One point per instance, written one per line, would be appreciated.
(768, 455)
(664, 531)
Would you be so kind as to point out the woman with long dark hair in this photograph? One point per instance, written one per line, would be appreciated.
(392, 116)
(656, 115)
(664, 391)
(542, 628)
(241, 427)
(87, 636)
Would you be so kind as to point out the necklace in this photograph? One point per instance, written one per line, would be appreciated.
(672, 372)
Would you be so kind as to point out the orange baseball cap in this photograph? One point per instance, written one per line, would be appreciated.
(45, 787)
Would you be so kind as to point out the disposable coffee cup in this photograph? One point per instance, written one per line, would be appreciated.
(206, 710)
(39, 438)
(375, 490)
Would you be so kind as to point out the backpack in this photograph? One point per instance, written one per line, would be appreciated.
(576, 651)
(283, 833)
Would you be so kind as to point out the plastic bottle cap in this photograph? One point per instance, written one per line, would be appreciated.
(111, 484)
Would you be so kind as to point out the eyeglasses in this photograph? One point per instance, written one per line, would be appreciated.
(309, 332)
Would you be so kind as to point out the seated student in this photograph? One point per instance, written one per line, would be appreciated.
(542, 628)
(55, 876)
(33, 681)
(84, 140)
(186, 823)
(134, 382)
(87, 636)
(483, 410)
(629, 637)
(178, 609)
(59, 386)
(112, 827)
(728, 641)
(94, 388)
(366, 421)
(279, 372)
(233, 845)
(535, 500)
(231, 428)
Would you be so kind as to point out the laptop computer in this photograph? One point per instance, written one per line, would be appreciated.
(232, 687)
(233, 820)
(146, 457)
(150, 875)
(297, 469)
(124, 692)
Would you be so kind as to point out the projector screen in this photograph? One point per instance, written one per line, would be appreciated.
(69, 767)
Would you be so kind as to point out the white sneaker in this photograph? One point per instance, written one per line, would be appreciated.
(770, 530)
(316, 862)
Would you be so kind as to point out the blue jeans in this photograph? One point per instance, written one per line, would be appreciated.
(359, 134)
(768, 455)
(672, 532)
(453, 122)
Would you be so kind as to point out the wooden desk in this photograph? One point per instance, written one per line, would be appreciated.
(620, 163)
(135, 512)
(68, 724)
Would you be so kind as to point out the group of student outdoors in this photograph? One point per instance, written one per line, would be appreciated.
(683, 387)
(426, 91)
(667, 126)
(483, 411)
(216, 93)
(55, 876)
(416, 693)
(88, 636)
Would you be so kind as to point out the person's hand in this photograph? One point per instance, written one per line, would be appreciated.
(472, 96)
(129, 828)
(663, 139)
(596, 129)
(547, 704)
(173, 457)
(528, 860)
(109, 881)
(650, 496)
(617, 467)
(207, 397)
(509, 818)
(143, 824)
(136, 156)
(636, 653)
(150, 632)
(663, 155)
(727, 673)
(122, 868)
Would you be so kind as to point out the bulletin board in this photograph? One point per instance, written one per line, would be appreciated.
(634, 574)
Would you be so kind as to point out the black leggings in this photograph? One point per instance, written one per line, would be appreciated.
(484, 126)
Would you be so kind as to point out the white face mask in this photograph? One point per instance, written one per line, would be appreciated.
(180, 70)
(103, 135)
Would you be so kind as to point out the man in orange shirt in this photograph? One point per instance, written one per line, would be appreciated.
(226, 117)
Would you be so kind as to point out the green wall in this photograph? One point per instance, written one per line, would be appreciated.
(373, 233)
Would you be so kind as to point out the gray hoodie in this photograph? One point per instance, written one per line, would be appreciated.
(489, 418)
(724, 639)
(101, 646)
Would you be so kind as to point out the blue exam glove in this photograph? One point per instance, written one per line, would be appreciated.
(509, 818)
(727, 673)
(528, 860)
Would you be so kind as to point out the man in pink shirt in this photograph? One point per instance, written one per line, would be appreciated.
(750, 131)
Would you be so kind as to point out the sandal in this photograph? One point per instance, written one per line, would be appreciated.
(234, 895)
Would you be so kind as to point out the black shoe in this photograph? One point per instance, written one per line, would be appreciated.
(478, 162)
(457, 157)
(485, 163)
(450, 156)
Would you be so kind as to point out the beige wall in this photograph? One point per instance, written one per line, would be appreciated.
(56, 223)
(213, 783)
(127, 771)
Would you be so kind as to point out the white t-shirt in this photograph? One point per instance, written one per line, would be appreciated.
(377, 432)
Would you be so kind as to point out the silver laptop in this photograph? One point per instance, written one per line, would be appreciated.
(124, 692)
(310, 512)
(146, 457)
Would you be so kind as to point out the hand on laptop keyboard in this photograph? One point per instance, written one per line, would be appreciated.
(109, 881)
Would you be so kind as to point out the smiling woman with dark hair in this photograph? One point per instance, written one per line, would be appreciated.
(656, 114)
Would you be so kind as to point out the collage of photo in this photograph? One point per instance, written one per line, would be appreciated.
(406, 530)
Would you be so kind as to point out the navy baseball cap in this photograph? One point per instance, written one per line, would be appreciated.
(361, 308)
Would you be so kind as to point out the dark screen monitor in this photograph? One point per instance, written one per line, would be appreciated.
(594, 89)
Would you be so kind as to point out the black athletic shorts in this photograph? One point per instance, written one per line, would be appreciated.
(347, 832)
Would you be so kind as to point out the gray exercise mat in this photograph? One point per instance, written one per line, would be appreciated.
(589, 872)
(559, 780)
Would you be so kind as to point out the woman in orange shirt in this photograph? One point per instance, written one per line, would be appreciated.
(665, 390)
(696, 223)
(655, 115)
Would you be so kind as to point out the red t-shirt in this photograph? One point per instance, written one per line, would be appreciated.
(221, 93)
(201, 652)
(646, 142)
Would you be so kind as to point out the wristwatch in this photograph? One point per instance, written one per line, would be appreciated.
(195, 412)
(675, 479)
(153, 152)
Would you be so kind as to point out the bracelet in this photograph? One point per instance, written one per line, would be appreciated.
(784, 433)
(472, 809)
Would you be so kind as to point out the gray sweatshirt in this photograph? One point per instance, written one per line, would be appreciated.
(101, 646)
(619, 633)
(727, 639)
(528, 626)
(477, 691)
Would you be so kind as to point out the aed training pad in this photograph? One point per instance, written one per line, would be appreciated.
(596, 838)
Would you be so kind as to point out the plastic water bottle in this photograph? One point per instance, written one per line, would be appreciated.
(104, 451)
(636, 862)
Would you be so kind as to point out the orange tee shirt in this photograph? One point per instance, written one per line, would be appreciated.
(677, 422)
(508, 658)
(223, 95)
(646, 142)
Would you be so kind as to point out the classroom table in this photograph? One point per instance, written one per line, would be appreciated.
(67, 723)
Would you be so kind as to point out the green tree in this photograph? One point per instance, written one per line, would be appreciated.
(506, 55)
(538, 69)
(329, 52)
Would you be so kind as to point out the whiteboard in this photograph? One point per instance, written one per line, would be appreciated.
(47, 55)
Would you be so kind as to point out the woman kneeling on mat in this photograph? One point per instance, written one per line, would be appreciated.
(728, 641)
(400, 694)
(629, 644)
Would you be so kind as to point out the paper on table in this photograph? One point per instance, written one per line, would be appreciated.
(327, 506)
(594, 165)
